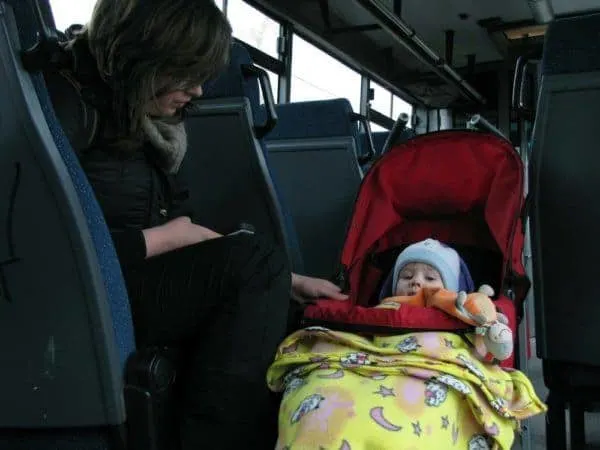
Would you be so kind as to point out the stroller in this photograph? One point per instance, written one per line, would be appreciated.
(464, 188)
(357, 376)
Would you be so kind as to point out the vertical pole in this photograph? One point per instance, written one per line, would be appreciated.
(364, 96)
(504, 100)
(450, 46)
(285, 49)
(471, 64)
(398, 8)
(526, 328)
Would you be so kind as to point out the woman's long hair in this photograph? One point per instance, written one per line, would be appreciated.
(147, 47)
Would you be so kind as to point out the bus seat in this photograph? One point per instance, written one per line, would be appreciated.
(313, 152)
(225, 167)
(329, 118)
(564, 166)
(65, 323)
(379, 138)
(565, 215)
(232, 82)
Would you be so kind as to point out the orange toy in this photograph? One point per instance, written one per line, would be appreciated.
(493, 337)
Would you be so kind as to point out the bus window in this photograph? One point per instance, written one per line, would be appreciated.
(376, 127)
(382, 101)
(68, 12)
(253, 27)
(318, 76)
(389, 105)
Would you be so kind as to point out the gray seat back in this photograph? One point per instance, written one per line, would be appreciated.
(226, 171)
(61, 289)
(225, 167)
(313, 153)
(65, 324)
(564, 183)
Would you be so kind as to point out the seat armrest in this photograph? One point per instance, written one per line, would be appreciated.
(150, 400)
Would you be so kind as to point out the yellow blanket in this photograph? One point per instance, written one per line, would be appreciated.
(414, 391)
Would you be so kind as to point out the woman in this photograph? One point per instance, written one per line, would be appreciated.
(224, 299)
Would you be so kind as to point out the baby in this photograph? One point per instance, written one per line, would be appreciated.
(426, 264)
(429, 273)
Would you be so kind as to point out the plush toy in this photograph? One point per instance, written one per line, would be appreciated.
(493, 337)
(495, 341)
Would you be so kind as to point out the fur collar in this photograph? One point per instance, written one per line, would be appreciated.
(170, 141)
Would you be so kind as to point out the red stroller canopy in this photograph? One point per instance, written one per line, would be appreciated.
(461, 187)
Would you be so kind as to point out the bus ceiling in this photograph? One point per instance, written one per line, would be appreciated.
(406, 36)
(378, 39)
(409, 64)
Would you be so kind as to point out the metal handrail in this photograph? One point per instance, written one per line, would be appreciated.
(408, 38)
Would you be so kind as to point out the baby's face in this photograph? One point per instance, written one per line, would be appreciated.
(415, 276)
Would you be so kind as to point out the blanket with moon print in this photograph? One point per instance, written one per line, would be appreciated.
(413, 391)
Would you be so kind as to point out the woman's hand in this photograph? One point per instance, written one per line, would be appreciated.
(305, 289)
(187, 233)
(176, 233)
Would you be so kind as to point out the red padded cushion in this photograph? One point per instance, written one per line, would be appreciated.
(340, 313)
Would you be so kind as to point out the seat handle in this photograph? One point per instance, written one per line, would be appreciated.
(478, 122)
(397, 129)
(522, 70)
(267, 93)
(364, 159)
(46, 52)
